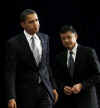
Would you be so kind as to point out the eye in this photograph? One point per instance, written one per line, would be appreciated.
(31, 22)
(69, 37)
(37, 20)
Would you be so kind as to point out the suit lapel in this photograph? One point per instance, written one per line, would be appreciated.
(43, 45)
(77, 60)
(63, 58)
(64, 63)
(27, 51)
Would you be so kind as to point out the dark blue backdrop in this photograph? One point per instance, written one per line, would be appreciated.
(83, 15)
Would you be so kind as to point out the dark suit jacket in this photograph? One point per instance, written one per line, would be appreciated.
(87, 72)
(21, 69)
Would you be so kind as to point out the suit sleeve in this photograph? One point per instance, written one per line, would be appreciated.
(49, 67)
(57, 74)
(94, 67)
(10, 71)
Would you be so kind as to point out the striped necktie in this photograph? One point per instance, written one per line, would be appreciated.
(35, 50)
(71, 64)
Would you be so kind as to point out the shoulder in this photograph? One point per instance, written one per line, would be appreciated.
(15, 41)
(85, 49)
(43, 35)
(15, 38)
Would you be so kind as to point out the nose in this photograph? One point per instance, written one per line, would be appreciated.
(66, 40)
(36, 22)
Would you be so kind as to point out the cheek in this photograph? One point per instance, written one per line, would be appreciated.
(64, 43)
(37, 24)
(29, 26)
(73, 40)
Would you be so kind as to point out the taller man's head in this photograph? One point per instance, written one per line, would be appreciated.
(29, 21)
(68, 36)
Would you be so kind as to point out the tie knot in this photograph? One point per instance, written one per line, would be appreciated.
(71, 52)
(32, 38)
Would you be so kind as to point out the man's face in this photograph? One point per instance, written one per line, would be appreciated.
(68, 39)
(31, 24)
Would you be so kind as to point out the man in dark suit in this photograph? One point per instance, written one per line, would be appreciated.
(77, 70)
(2, 90)
(29, 82)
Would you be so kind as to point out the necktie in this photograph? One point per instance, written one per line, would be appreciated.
(71, 65)
(35, 50)
(36, 54)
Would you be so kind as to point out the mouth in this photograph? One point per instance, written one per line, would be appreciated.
(68, 45)
(36, 28)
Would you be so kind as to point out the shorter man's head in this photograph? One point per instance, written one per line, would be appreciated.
(68, 36)
(29, 21)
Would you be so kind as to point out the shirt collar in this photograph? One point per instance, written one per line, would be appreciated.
(28, 36)
(74, 50)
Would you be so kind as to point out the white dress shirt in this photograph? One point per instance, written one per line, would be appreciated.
(74, 50)
(37, 41)
(37, 44)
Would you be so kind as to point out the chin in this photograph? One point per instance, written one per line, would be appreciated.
(69, 47)
(33, 32)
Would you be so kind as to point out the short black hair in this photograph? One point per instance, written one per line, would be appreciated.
(25, 13)
(67, 28)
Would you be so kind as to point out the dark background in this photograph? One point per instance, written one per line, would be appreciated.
(83, 15)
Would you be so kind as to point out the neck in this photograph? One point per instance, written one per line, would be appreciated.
(30, 33)
(70, 48)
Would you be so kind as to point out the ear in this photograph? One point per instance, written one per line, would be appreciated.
(76, 36)
(22, 24)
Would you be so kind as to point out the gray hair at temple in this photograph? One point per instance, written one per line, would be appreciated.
(25, 13)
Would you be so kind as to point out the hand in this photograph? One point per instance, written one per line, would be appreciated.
(67, 90)
(77, 88)
(12, 103)
(56, 96)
